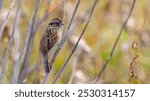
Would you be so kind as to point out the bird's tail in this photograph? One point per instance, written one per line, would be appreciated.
(45, 64)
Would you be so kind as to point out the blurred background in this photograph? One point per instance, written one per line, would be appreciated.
(130, 62)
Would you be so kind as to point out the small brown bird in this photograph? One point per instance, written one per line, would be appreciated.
(48, 40)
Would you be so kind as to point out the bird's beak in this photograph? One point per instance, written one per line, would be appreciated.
(61, 24)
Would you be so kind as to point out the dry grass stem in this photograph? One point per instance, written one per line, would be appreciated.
(115, 44)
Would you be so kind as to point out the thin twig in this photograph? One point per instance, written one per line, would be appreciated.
(1, 58)
(1, 4)
(30, 40)
(67, 60)
(25, 44)
(63, 17)
(31, 68)
(74, 68)
(63, 40)
(115, 44)
(48, 5)
(64, 10)
(81, 20)
(6, 19)
(11, 40)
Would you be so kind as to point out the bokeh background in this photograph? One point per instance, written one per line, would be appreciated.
(94, 47)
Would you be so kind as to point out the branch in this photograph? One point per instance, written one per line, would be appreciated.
(64, 10)
(79, 22)
(6, 19)
(1, 58)
(30, 40)
(1, 4)
(67, 60)
(10, 41)
(115, 44)
(25, 45)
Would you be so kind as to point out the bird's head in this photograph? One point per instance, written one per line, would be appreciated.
(55, 23)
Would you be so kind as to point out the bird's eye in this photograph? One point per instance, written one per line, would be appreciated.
(54, 24)
(50, 23)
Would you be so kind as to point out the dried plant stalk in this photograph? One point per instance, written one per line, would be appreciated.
(133, 76)
(6, 19)
(25, 47)
(10, 41)
(115, 44)
(67, 60)
(1, 4)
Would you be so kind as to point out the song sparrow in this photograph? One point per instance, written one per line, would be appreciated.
(48, 40)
